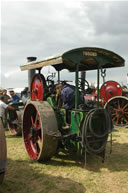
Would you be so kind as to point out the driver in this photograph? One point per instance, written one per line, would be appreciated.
(66, 93)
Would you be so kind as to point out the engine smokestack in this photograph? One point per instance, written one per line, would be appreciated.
(31, 73)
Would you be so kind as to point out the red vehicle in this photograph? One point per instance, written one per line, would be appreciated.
(116, 101)
(114, 98)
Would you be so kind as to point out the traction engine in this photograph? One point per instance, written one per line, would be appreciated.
(116, 101)
(48, 127)
(114, 98)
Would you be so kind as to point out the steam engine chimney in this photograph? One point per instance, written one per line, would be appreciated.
(31, 73)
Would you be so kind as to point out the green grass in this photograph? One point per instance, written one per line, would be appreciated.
(66, 173)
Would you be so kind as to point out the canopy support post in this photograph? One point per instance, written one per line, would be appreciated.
(98, 83)
(76, 87)
(58, 76)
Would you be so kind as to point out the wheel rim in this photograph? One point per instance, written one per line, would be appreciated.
(35, 127)
(37, 87)
(31, 132)
(118, 107)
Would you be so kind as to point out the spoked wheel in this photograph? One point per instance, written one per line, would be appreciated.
(118, 106)
(39, 130)
(3, 154)
(82, 81)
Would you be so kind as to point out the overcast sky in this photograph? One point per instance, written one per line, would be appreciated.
(45, 28)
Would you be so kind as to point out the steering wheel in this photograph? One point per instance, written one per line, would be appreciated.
(50, 81)
(85, 83)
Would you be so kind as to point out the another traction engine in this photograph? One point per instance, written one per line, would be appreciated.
(115, 101)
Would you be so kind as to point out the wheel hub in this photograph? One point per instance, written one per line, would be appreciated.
(33, 132)
(119, 112)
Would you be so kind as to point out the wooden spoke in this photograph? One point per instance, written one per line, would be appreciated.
(118, 104)
(125, 106)
(114, 118)
(125, 120)
(113, 114)
(117, 121)
(32, 120)
(37, 118)
(122, 103)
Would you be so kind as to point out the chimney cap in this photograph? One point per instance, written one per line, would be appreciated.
(31, 58)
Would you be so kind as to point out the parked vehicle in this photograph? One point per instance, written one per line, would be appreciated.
(48, 126)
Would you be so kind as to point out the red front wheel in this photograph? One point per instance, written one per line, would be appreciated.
(39, 123)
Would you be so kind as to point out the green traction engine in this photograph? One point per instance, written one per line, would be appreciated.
(47, 126)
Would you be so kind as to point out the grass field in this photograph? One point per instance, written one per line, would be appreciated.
(66, 173)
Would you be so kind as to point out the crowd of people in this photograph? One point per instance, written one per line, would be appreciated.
(11, 98)
(5, 104)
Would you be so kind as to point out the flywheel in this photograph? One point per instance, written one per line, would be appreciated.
(40, 130)
(118, 107)
(38, 86)
(110, 89)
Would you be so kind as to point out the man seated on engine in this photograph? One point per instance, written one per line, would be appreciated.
(66, 95)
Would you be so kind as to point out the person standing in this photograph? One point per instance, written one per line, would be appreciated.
(5, 96)
(14, 98)
(3, 146)
(5, 100)
(3, 107)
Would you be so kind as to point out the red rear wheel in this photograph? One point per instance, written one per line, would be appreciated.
(118, 106)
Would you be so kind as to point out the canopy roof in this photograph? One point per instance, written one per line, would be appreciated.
(88, 58)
